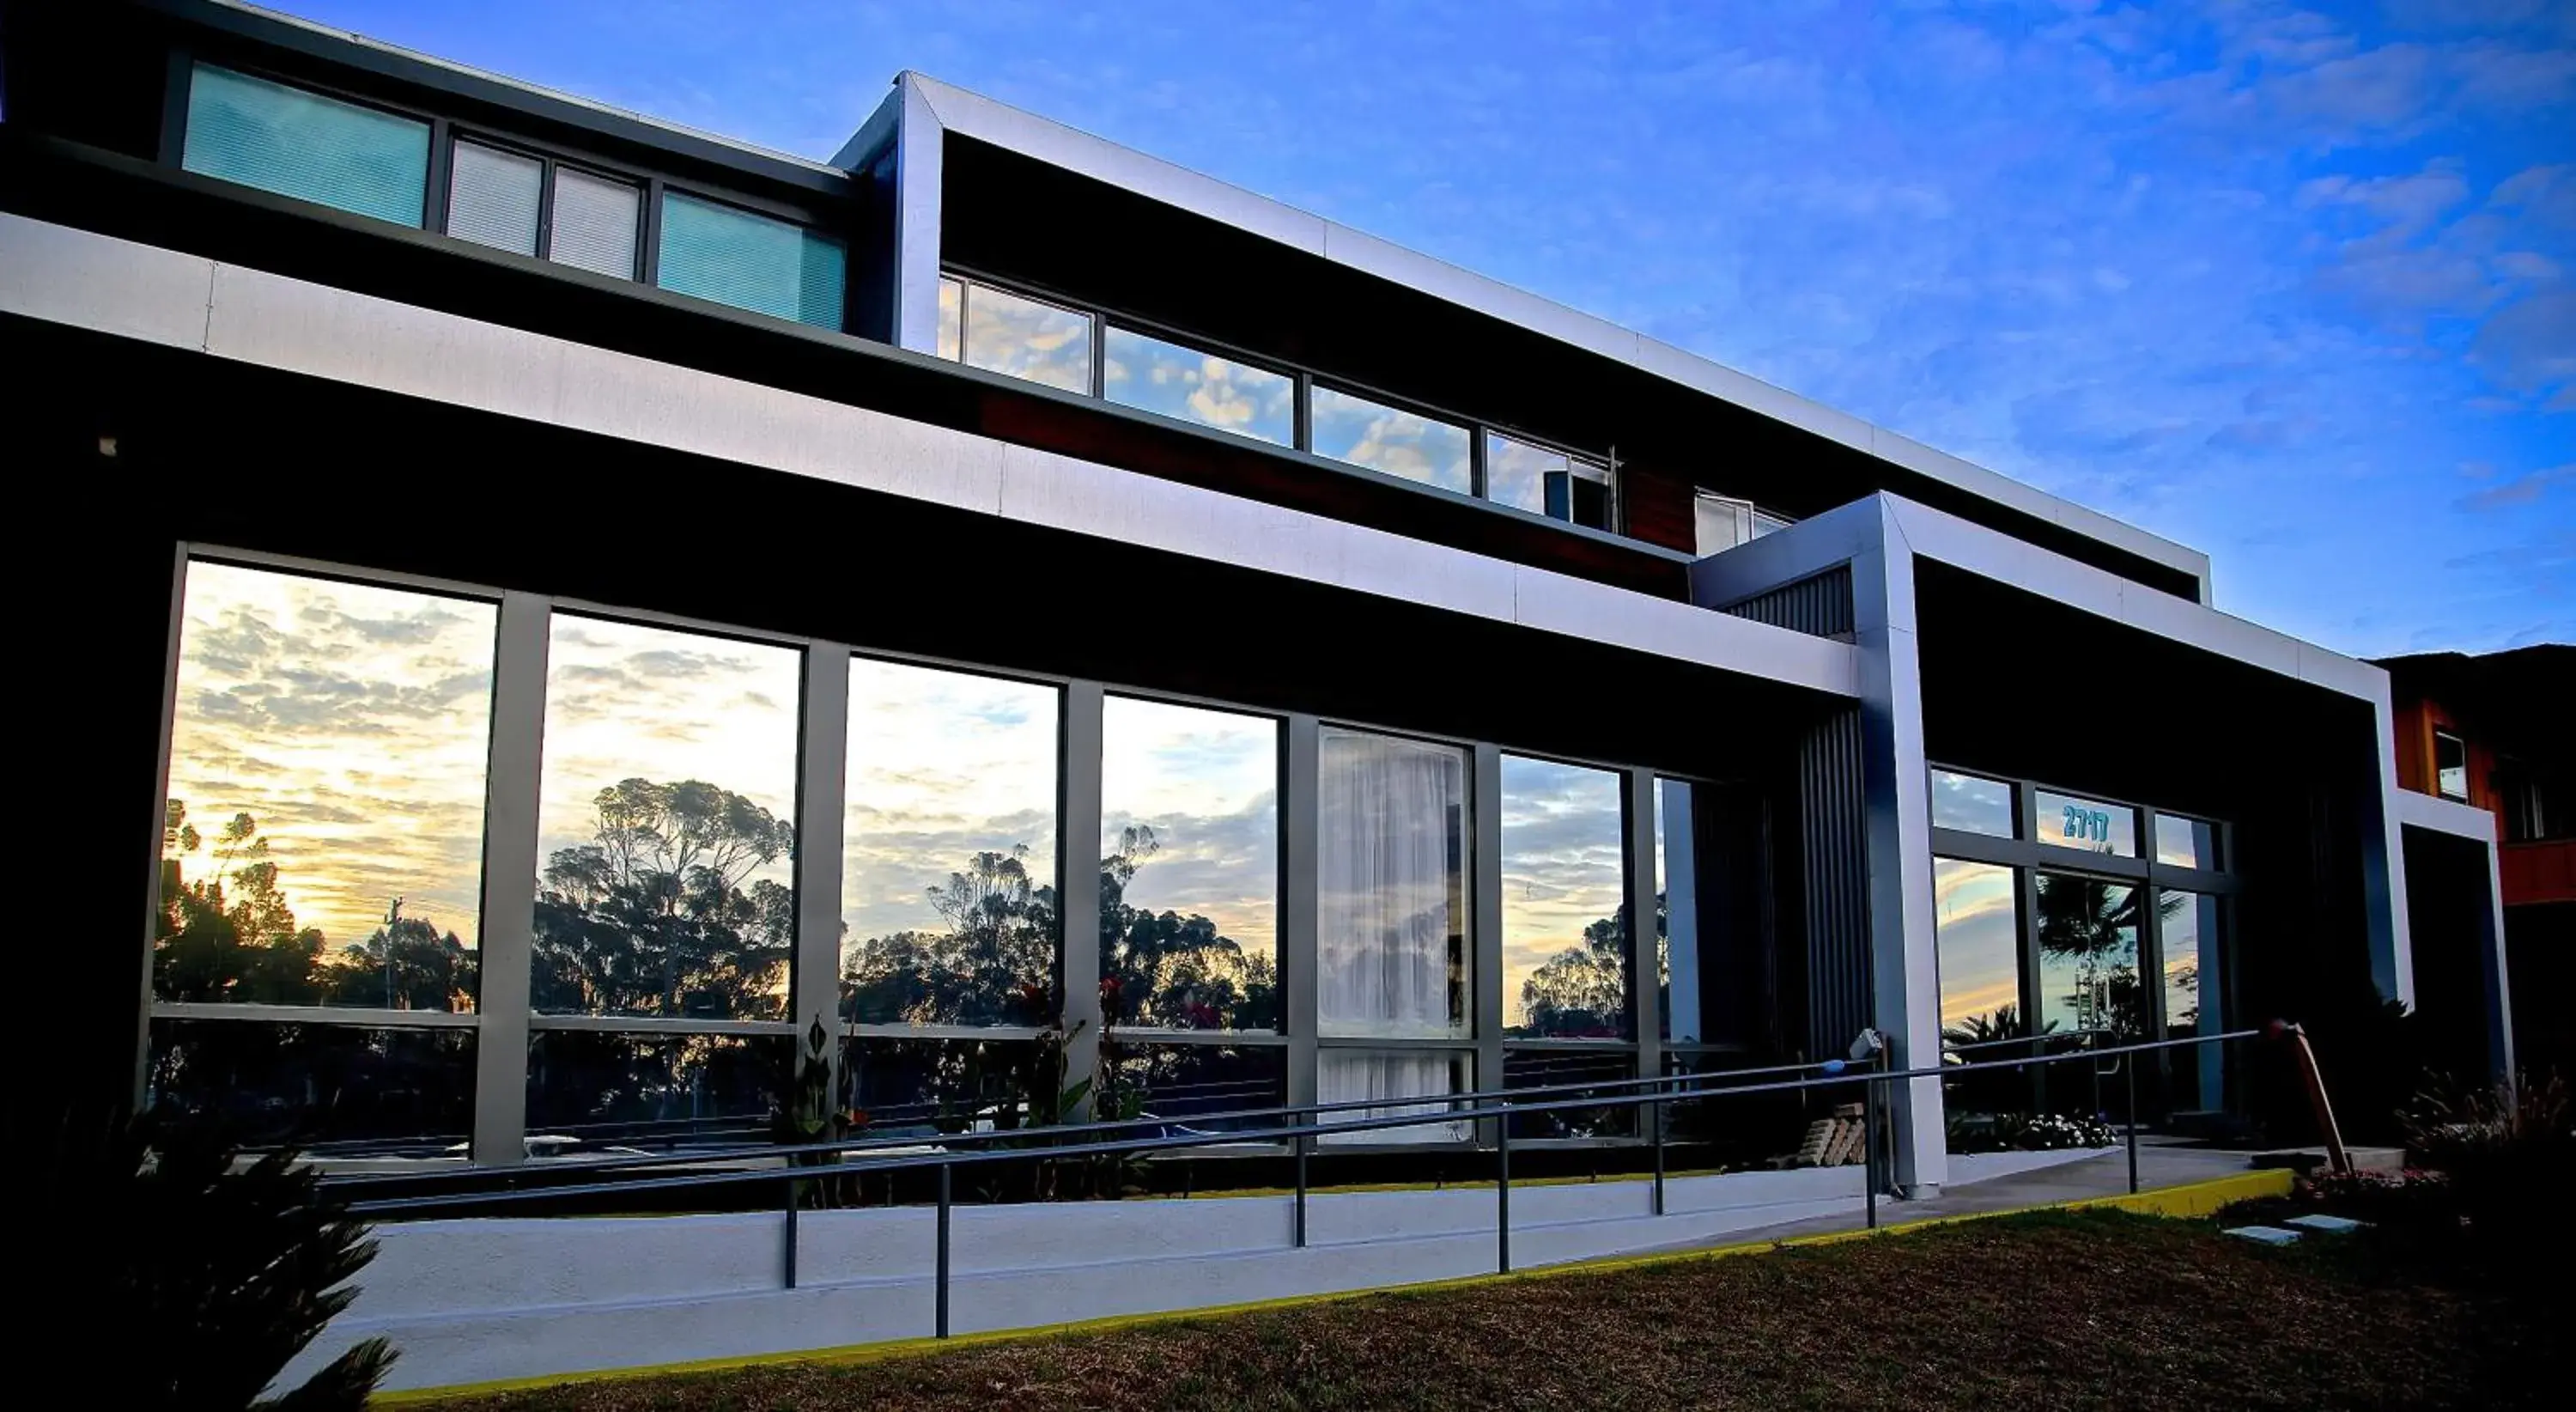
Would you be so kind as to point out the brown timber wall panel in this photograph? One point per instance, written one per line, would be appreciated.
(1821, 605)
(1658, 507)
(1834, 828)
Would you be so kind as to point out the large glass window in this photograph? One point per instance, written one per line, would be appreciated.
(665, 821)
(324, 829)
(2068, 821)
(1977, 945)
(2088, 957)
(595, 222)
(1365, 433)
(339, 1092)
(2186, 843)
(1026, 338)
(1393, 1076)
(1391, 870)
(589, 1091)
(1190, 866)
(1722, 523)
(1971, 804)
(2194, 996)
(948, 886)
(750, 261)
(1565, 943)
(1546, 482)
(1145, 372)
(307, 146)
(494, 197)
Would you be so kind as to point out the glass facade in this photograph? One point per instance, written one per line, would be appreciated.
(495, 197)
(1148, 373)
(340, 1091)
(2194, 996)
(323, 836)
(1189, 885)
(1546, 482)
(948, 876)
(591, 1092)
(305, 145)
(665, 824)
(2067, 821)
(2186, 843)
(1402, 1079)
(1392, 956)
(1565, 941)
(750, 261)
(596, 225)
(1027, 338)
(1348, 427)
(2089, 977)
(1977, 943)
(1972, 804)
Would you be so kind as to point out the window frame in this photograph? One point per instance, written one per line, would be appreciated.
(651, 179)
(2468, 786)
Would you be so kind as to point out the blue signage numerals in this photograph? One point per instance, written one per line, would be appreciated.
(2085, 825)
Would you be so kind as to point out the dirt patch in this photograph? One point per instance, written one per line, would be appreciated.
(2093, 1309)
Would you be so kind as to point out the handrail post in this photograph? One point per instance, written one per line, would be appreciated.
(1655, 1119)
(940, 1319)
(2132, 1072)
(2093, 1066)
(789, 1253)
(1297, 1223)
(1869, 1145)
(1503, 1191)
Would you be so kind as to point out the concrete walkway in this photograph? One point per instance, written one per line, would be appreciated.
(2161, 1164)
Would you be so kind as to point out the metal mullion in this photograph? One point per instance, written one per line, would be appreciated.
(1476, 433)
(1132, 1035)
(1645, 1005)
(822, 778)
(658, 1024)
(1304, 434)
(367, 1017)
(434, 199)
(854, 1030)
(1078, 859)
(1300, 898)
(1485, 913)
(649, 235)
(546, 208)
(510, 861)
(343, 573)
(141, 1016)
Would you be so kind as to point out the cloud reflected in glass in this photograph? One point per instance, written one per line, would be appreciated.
(1365, 433)
(1184, 383)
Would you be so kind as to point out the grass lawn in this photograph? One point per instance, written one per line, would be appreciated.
(2045, 1310)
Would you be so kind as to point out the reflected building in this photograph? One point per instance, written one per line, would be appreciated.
(584, 604)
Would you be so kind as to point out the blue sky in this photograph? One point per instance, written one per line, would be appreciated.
(2295, 287)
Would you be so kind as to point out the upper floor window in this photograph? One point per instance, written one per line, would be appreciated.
(2451, 766)
(536, 206)
(750, 261)
(1723, 523)
(376, 162)
(1352, 428)
(1140, 371)
(306, 145)
(1550, 483)
(1003, 332)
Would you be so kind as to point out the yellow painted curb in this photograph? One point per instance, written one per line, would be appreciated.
(2178, 1202)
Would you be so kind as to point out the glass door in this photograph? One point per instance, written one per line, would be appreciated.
(2088, 978)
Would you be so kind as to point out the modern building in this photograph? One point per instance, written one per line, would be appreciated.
(2483, 744)
(568, 606)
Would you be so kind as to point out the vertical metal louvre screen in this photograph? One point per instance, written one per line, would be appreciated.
(750, 261)
(307, 146)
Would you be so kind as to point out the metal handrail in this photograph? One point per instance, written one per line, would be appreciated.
(861, 1146)
(1669, 1089)
(2027, 1039)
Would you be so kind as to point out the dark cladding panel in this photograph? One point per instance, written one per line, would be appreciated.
(1821, 605)
(1834, 835)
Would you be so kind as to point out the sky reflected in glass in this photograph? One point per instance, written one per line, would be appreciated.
(1971, 804)
(1516, 472)
(1977, 936)
(952, 315)
(1192, 386)
(352, 723)
(1364, 433)
(2185, 843)
(1207, 784)
(1027, 338)
(1564, 875)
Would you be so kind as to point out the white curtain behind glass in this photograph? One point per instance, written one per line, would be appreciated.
(1390, 923)
(1351, 1076)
